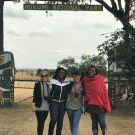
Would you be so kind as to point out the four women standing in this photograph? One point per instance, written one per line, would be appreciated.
(70, 96)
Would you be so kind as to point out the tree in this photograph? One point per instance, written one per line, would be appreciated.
(114, 45)
(68, 64)
(51, 72)
(115, 49)
(125, 48)
(32, 73)
(27, 71)
(124, 15)
(97, 61)
(38, 72)
(83, 66)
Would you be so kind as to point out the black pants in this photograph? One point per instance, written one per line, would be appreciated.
(41, 117)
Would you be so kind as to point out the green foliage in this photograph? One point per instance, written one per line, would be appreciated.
(83, 66)
(38, 72)
(98, 61)
(50, 71)
(68, 64)
(27, 71)
(31, 74)
(115, 47)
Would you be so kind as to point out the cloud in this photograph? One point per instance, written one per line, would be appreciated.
(14, 50)
(15, 11)
(43, 32)
(101, 26)
(85, 24)
(14, 31)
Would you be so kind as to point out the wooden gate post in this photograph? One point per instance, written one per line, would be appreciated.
(1, 25)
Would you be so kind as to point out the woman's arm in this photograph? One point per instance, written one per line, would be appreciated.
(34, 97)
(83, 103)
(35, 93)
(33, 107)
(106, 98)
(50, 89)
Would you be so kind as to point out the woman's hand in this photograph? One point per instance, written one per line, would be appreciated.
(33, 109)
(107, 111)
(75, 99)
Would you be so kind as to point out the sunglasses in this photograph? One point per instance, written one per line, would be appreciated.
(44, 75)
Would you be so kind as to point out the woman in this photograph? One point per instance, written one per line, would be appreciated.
(40, 101)
(75, 103)
(96, 98)
(59, 87)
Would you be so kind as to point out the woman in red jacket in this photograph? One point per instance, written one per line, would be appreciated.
(96, 98)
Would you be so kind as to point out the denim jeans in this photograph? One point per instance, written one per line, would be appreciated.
(98, 118)
(74, 118)
(57, 111)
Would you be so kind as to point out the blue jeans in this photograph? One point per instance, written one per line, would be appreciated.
(57, 111)
(74, 118)
(98, 118)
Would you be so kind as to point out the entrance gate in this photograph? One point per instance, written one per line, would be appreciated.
(7, 67)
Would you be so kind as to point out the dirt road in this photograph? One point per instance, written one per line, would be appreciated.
(20, 120)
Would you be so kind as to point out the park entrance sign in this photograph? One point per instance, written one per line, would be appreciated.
(66, 7)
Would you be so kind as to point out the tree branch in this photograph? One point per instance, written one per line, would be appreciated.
(105, 5)
(119, 4)
(112, 10)
(114, 6)
(120, 14)
(127, 7)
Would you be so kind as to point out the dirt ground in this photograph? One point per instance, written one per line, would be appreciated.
(20, 120)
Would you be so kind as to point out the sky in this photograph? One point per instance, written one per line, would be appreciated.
(40, 41)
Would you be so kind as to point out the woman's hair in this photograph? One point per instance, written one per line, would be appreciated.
(43, 72)
(75, 73)
(57, 72)
(82, 75)
(92, 67)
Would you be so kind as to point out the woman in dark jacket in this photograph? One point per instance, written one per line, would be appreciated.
(59, 87)
(40, 101)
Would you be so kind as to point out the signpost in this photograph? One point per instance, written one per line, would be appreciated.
(1, 25)
(65, 7)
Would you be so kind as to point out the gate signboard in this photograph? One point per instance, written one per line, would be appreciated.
(65, 7)
(7, 76)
